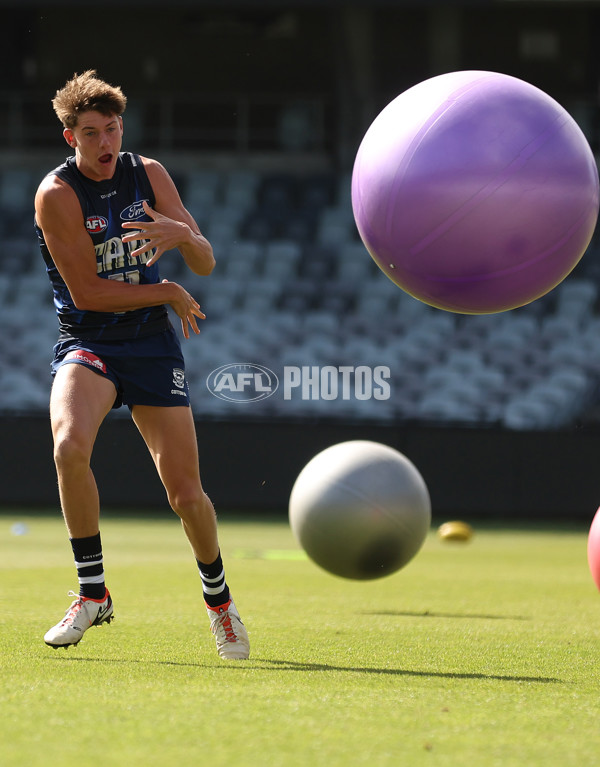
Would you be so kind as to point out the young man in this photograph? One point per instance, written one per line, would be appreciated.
(103, 219)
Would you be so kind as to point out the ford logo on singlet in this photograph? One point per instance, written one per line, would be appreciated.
(96, 224)
(135, 210)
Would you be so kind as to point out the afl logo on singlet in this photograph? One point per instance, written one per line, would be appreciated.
(96, 224)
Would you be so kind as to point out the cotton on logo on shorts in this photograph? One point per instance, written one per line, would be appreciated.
(242, 382)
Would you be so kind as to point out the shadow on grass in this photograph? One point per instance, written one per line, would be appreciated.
(290, 665)
(427, 614)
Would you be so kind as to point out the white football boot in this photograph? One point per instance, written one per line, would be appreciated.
(82, 614)
(230, 633)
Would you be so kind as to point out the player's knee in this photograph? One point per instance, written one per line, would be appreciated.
(185, 499)
(189, 501)
(70, 453)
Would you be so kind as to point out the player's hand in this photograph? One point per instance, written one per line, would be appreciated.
(160, 234)
(187, 309)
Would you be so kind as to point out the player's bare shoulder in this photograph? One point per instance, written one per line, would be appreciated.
(157, 173)
(53, 185)
(54, 198)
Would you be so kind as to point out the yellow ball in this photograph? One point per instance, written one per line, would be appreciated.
(455, 531)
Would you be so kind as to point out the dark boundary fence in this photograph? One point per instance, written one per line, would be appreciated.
(251, 466)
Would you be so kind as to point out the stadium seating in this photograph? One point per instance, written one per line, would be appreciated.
(294, 286)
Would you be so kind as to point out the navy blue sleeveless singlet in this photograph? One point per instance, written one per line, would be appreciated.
(105, 206)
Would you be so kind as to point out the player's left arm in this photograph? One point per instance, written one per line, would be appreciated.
(171, 225)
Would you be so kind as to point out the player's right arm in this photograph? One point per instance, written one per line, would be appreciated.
(58, 214)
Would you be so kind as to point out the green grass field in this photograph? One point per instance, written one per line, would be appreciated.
(484, 653)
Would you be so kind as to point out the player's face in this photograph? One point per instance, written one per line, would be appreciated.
(97, 142)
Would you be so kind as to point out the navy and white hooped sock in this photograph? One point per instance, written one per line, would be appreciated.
(90, 568)
(214, 586)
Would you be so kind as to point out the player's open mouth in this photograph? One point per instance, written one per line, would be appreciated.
(105, 159)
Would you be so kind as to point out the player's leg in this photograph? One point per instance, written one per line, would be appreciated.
(170, 435)
(79, 401)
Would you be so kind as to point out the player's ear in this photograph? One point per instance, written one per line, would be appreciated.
(70, 138)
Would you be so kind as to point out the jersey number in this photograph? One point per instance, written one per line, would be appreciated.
(133, 277)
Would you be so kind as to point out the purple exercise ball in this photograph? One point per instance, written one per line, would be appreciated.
(475, 192)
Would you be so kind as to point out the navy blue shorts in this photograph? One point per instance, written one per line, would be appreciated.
(145, 371)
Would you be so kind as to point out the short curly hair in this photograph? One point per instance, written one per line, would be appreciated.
(87, 92)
